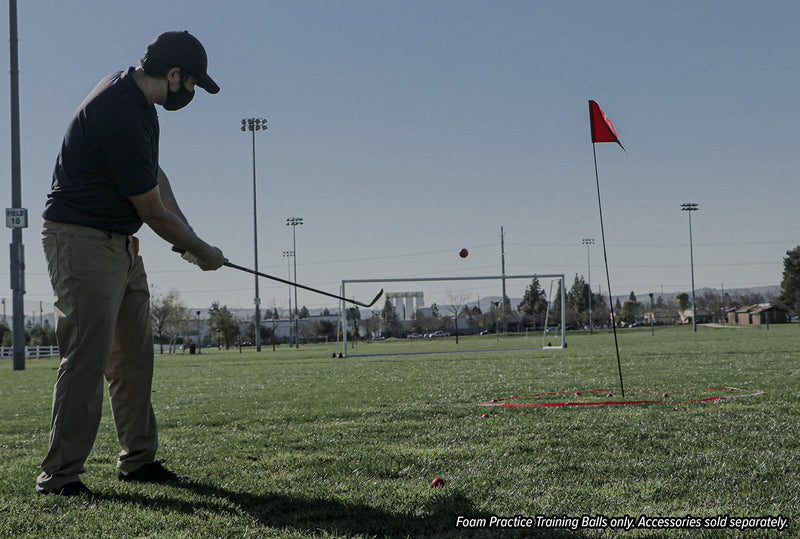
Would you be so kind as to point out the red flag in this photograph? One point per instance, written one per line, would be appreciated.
(602, 126)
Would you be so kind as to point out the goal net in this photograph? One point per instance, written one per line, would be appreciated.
(434, 315)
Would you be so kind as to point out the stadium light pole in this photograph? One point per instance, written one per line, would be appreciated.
(588, 242)
(503, 272)
(689, 207)
(199, 340)
(287, 255)
(294, 222)
(253, 125)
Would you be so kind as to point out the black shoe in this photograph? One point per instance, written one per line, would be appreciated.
(153, 472)
(76, 488)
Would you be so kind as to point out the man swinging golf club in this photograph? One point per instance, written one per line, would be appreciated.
(107, 182)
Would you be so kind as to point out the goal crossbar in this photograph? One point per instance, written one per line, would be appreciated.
(345, 282)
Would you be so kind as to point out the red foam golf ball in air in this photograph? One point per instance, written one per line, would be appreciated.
(463, 253)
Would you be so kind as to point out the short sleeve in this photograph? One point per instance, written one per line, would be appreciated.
(132, 156)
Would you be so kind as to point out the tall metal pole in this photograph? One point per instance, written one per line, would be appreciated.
(503, 273)
(253, 125)
(608, 276)
(691, 261)
(257, 299)
(199, 340)
(17, 248)
(690, 207)
(294, 222)
(287, 255)
(588, 242)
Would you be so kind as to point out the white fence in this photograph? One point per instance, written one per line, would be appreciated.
(30, 351)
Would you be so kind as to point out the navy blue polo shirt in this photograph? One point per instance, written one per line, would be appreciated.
(110, 152)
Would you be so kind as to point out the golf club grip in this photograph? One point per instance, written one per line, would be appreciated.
(284, 281)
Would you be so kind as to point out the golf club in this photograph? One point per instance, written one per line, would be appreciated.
(284, 281)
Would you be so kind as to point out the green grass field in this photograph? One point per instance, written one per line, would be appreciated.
(295, 443)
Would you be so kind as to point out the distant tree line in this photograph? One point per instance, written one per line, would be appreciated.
(173, 323)
(42, 334)
(535, 311)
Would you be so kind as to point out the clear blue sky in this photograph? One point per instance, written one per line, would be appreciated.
(404, 131)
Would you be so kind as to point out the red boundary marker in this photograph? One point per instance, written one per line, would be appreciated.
(502, 400)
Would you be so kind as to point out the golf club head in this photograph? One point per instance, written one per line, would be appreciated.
(377, 297)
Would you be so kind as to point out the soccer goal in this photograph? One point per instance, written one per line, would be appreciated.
(437, 315)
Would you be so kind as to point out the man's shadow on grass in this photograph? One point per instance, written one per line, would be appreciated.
(438, 518)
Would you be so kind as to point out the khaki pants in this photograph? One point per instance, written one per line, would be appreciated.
(102, 310)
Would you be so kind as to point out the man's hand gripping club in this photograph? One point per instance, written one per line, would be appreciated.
(213, 260)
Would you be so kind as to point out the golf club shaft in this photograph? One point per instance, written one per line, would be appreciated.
(266, 276)
(284, 281)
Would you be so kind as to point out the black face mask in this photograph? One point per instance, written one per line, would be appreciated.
(178, 99)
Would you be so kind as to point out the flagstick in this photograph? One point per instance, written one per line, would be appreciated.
(608, 277)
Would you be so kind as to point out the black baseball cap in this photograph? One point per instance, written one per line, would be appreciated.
(179, 49)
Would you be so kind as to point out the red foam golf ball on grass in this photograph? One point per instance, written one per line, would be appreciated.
(438, 482)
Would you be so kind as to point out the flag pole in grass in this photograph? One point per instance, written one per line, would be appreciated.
(603, 131)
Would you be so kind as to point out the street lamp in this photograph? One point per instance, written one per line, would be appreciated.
(287, 255)
(294, 222)
(588, 242)
(253, 125)
(690, 207)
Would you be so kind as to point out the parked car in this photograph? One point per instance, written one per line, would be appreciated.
(439, 334)
(414, 336)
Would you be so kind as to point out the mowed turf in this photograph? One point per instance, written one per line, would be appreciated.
(295, 443)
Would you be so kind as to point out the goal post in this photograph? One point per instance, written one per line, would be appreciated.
(406, 282)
